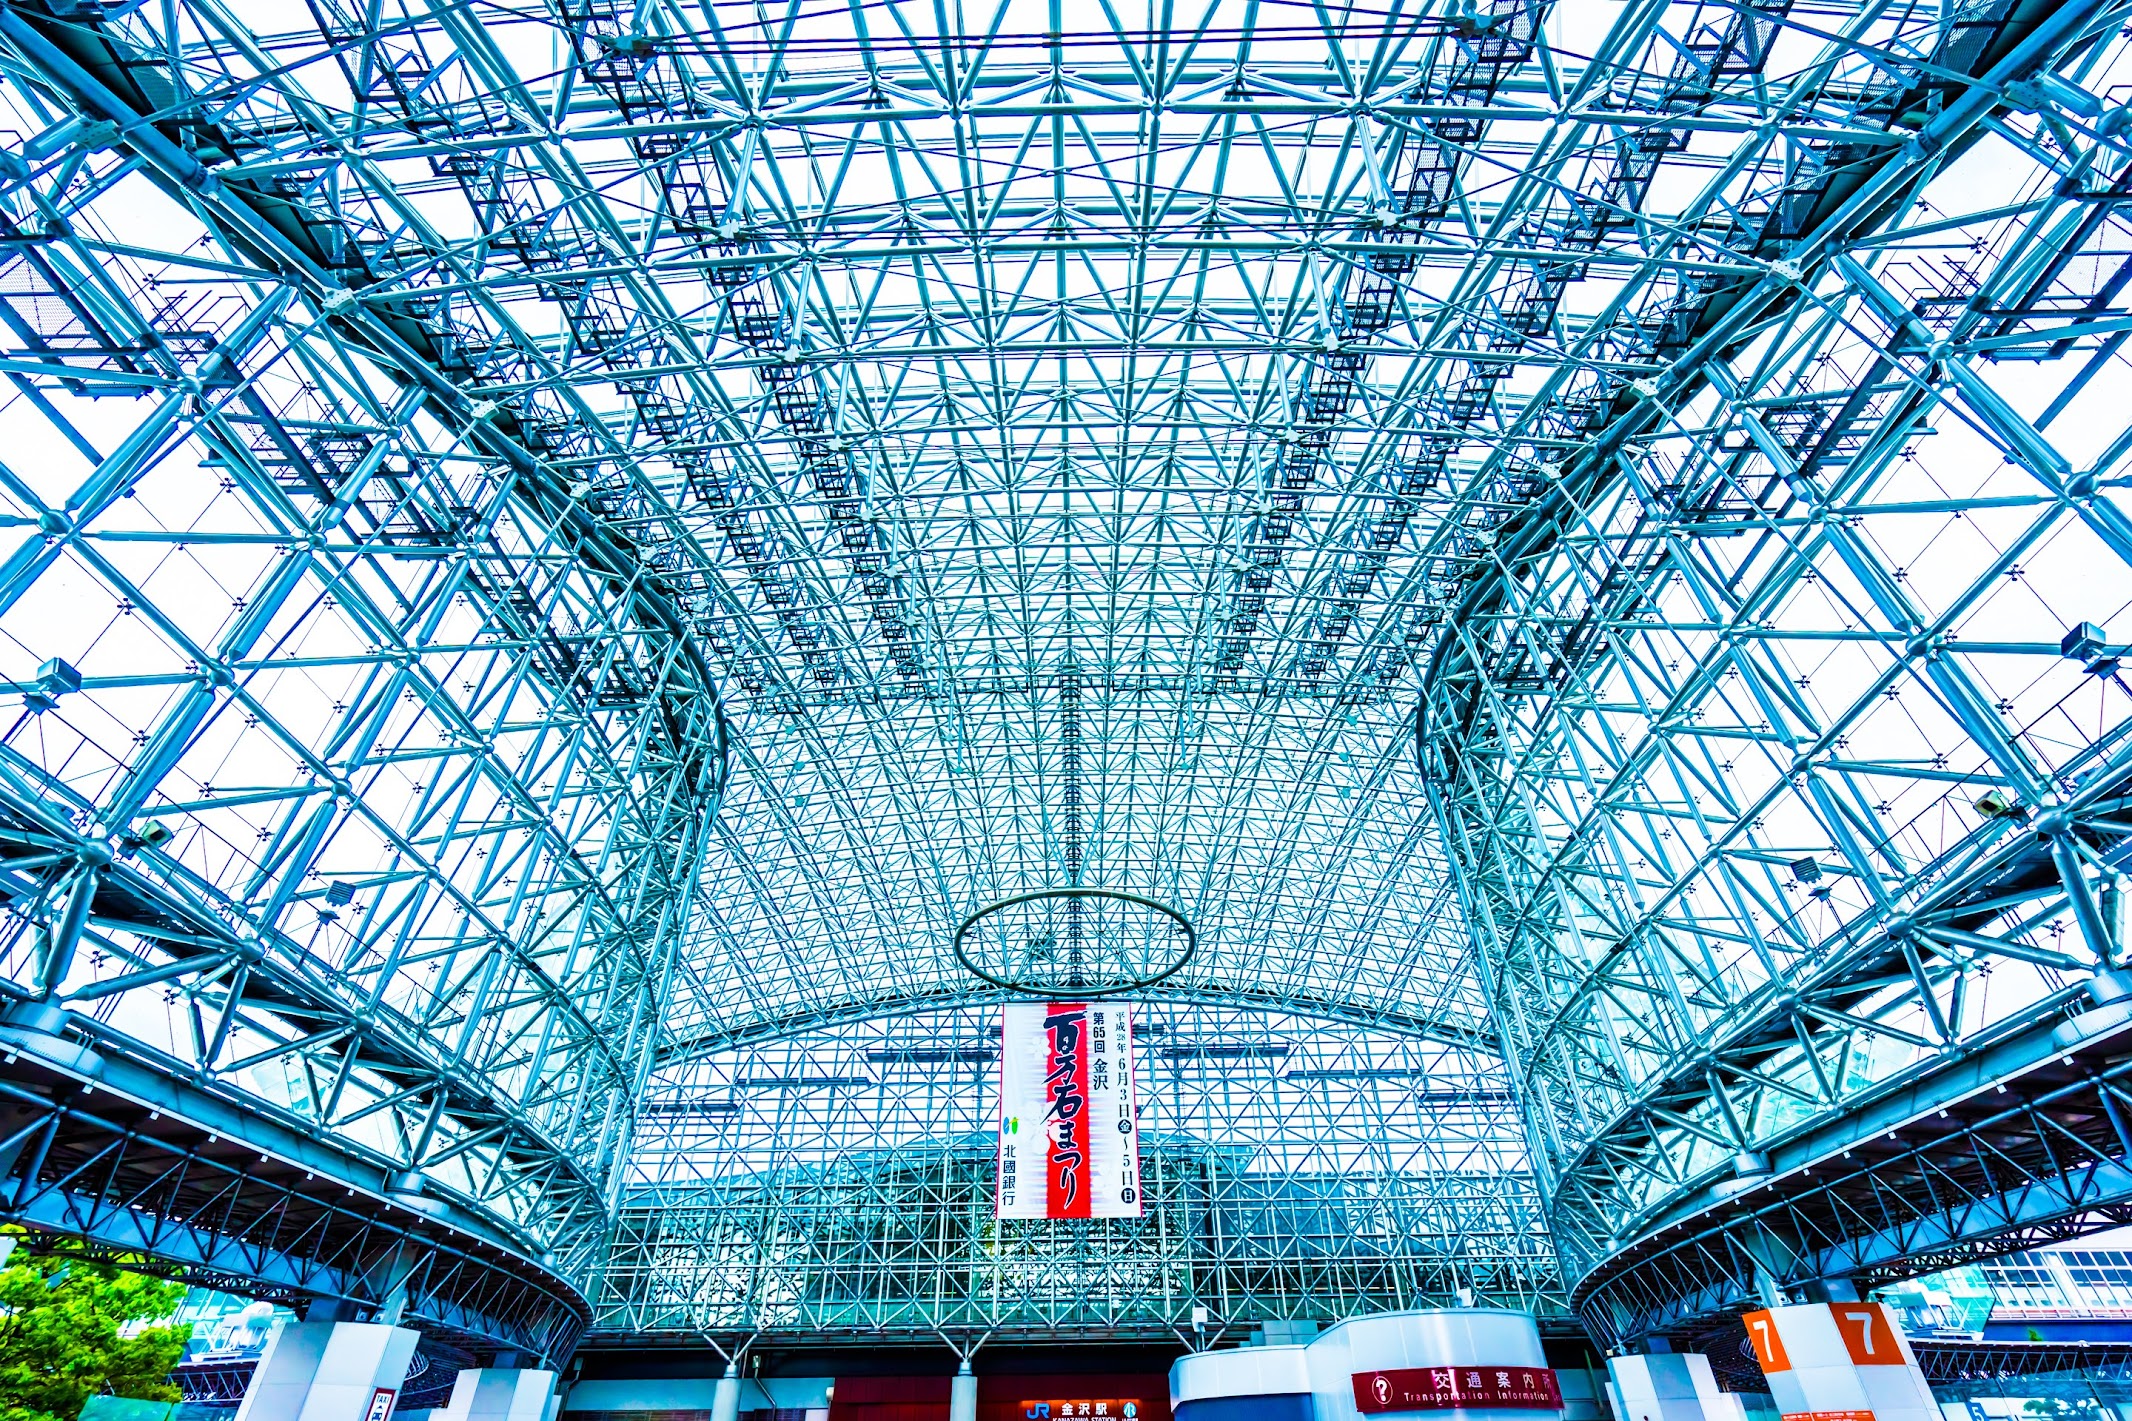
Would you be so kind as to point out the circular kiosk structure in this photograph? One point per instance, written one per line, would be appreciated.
(1443, 1364)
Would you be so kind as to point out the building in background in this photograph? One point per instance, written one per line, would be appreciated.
(2070, 1292)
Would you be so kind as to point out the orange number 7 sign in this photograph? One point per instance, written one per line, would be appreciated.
(1867, 1334)
(1867, 1331)
(1768, 1346)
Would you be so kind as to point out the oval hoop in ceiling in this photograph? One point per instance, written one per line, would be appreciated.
(1087, 942)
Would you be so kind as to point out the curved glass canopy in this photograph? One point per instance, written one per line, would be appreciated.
(556, 552)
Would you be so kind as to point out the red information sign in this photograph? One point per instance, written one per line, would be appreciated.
(1448, 1388)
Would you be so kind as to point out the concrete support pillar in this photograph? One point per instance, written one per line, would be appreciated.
(962, 1394)
(501, 1394)
(1840, 1357)
(330, 1371)
(1668, 1386)
(725, 1401)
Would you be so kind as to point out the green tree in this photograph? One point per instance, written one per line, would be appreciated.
(62, 1316)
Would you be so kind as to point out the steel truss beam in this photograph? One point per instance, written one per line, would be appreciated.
(2019, 1142)
(1293, 1168)
(154, 1171)
(432, 416)
(1668, 733)
(517, 854)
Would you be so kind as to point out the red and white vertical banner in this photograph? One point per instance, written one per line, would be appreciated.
(1069, 1136)
(1839, 1362)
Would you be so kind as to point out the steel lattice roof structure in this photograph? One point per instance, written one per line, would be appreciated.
(557, 551)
